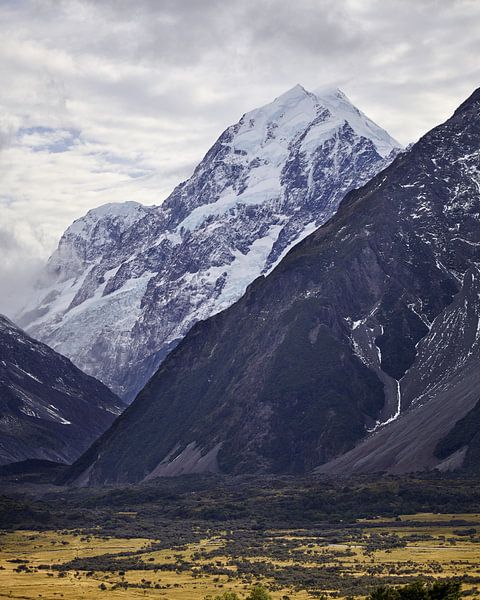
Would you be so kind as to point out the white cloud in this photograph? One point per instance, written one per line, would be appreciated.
(114, 100)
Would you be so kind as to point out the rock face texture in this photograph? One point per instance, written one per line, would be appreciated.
(127, 281)
(49, 409)
(364, 339)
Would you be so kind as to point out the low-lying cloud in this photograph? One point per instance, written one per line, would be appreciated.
(20, 265)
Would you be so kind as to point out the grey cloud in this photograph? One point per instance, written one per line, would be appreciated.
(7, 241)
(152, 83)
(19, 266)
(7, 132)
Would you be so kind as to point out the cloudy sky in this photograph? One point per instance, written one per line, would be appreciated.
(118, 100)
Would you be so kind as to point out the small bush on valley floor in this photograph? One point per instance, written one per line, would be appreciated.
(258, 592)
(419, 590)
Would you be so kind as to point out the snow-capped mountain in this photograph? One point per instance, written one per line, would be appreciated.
(359, 352)
(128, 281)
(49, 409)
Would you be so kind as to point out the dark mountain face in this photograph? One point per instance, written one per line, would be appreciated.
(347, 338)
(49, 409)
(463, 440)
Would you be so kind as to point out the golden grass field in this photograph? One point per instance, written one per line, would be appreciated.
(433, 548)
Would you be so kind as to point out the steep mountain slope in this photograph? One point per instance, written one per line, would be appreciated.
(49, 409)
(323, 349)
(442, 384)
(127, 282)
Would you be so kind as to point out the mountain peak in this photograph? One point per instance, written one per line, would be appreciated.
(328, 91)
(128, 281)
(297, 109)
(297, 96)
(116, 208)
(297, 91)
(128, 212)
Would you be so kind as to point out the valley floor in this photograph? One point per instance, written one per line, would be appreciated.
(185, 538)
(336, 560)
